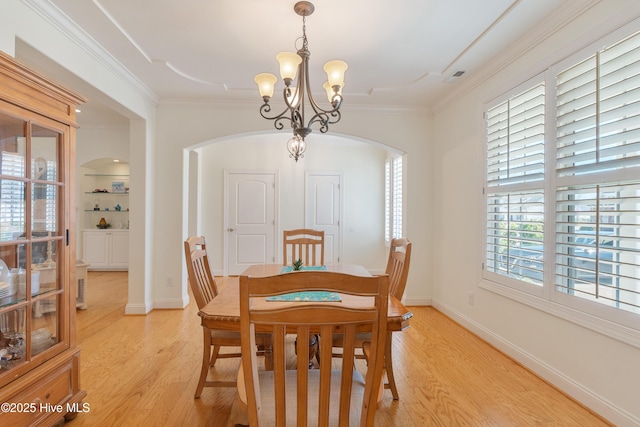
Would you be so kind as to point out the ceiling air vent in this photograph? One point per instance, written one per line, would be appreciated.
(454, 76)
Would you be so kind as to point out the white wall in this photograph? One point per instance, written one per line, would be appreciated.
(362, 166)
(602, 372)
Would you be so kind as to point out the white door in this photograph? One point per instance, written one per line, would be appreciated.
(322, 210)
(250, 220)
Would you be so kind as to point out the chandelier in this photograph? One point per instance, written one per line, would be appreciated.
(297, 96)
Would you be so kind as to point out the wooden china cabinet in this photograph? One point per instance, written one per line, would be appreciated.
(39, 362)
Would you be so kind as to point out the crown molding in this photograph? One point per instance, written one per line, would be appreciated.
(254, 106)
(84, 41)
(559, 19)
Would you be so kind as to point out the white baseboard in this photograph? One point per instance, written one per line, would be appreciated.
(170, 303)
(409, 301)
(137, 308)
(577, 391)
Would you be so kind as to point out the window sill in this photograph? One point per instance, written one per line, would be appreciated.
(605, 327)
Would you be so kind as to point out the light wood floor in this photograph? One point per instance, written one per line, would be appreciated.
(143, 371)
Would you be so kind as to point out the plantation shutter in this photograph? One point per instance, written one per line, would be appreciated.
(515, 136)
(387, 200)
(397, 197)
(598, 111)
(598, 245)
(515, 178)
(12, 211)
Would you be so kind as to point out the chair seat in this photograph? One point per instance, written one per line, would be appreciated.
(239, 415)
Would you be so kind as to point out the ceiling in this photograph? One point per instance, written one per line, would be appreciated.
(399, 53)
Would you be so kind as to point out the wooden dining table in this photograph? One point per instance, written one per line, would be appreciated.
(223, 312)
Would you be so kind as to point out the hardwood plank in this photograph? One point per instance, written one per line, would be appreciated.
(143, 370)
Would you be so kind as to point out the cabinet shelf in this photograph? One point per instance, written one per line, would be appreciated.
(106, 174)
(18, 297)
(103, 193)
(104, 210)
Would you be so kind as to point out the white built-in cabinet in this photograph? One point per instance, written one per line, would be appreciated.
(105, 216)
(106, 249)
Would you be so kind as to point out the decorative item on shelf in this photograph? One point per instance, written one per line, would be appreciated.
(103, 224)
(96, 207)
(49, 262)
(295, 94)
(7, 281)
(100, 190)
(117, 187)
(118, 207)
(297, 265)
(21, 277)
(41, 339)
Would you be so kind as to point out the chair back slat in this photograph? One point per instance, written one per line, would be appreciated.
(398, 266)
(304, 244)
(279, 371)
(323, 396)
(201, 281)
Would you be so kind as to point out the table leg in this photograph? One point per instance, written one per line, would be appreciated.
(268, 358)
(314, 347)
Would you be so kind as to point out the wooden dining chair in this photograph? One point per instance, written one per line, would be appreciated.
(397, 269)
(303, 244)
(204, 289)
(323, 396)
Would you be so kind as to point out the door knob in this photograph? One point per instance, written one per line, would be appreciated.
(231, 229)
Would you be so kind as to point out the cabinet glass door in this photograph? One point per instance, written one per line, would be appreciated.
(31, 237)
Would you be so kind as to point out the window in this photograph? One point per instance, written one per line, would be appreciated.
(598, 244)
(12, 217)
(515, 179)
(12, 213)
(598, 144)
(567, 221)
(393, 198)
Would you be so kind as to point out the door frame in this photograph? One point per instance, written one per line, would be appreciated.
(225, 222)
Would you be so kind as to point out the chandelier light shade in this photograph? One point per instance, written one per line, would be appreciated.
(266, 84)
(296, 147)
(302, 111)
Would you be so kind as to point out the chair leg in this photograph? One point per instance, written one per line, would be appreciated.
(206, 356)
(388, 365)
(214, 355)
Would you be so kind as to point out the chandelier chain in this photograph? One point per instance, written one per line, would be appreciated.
(305, 45)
